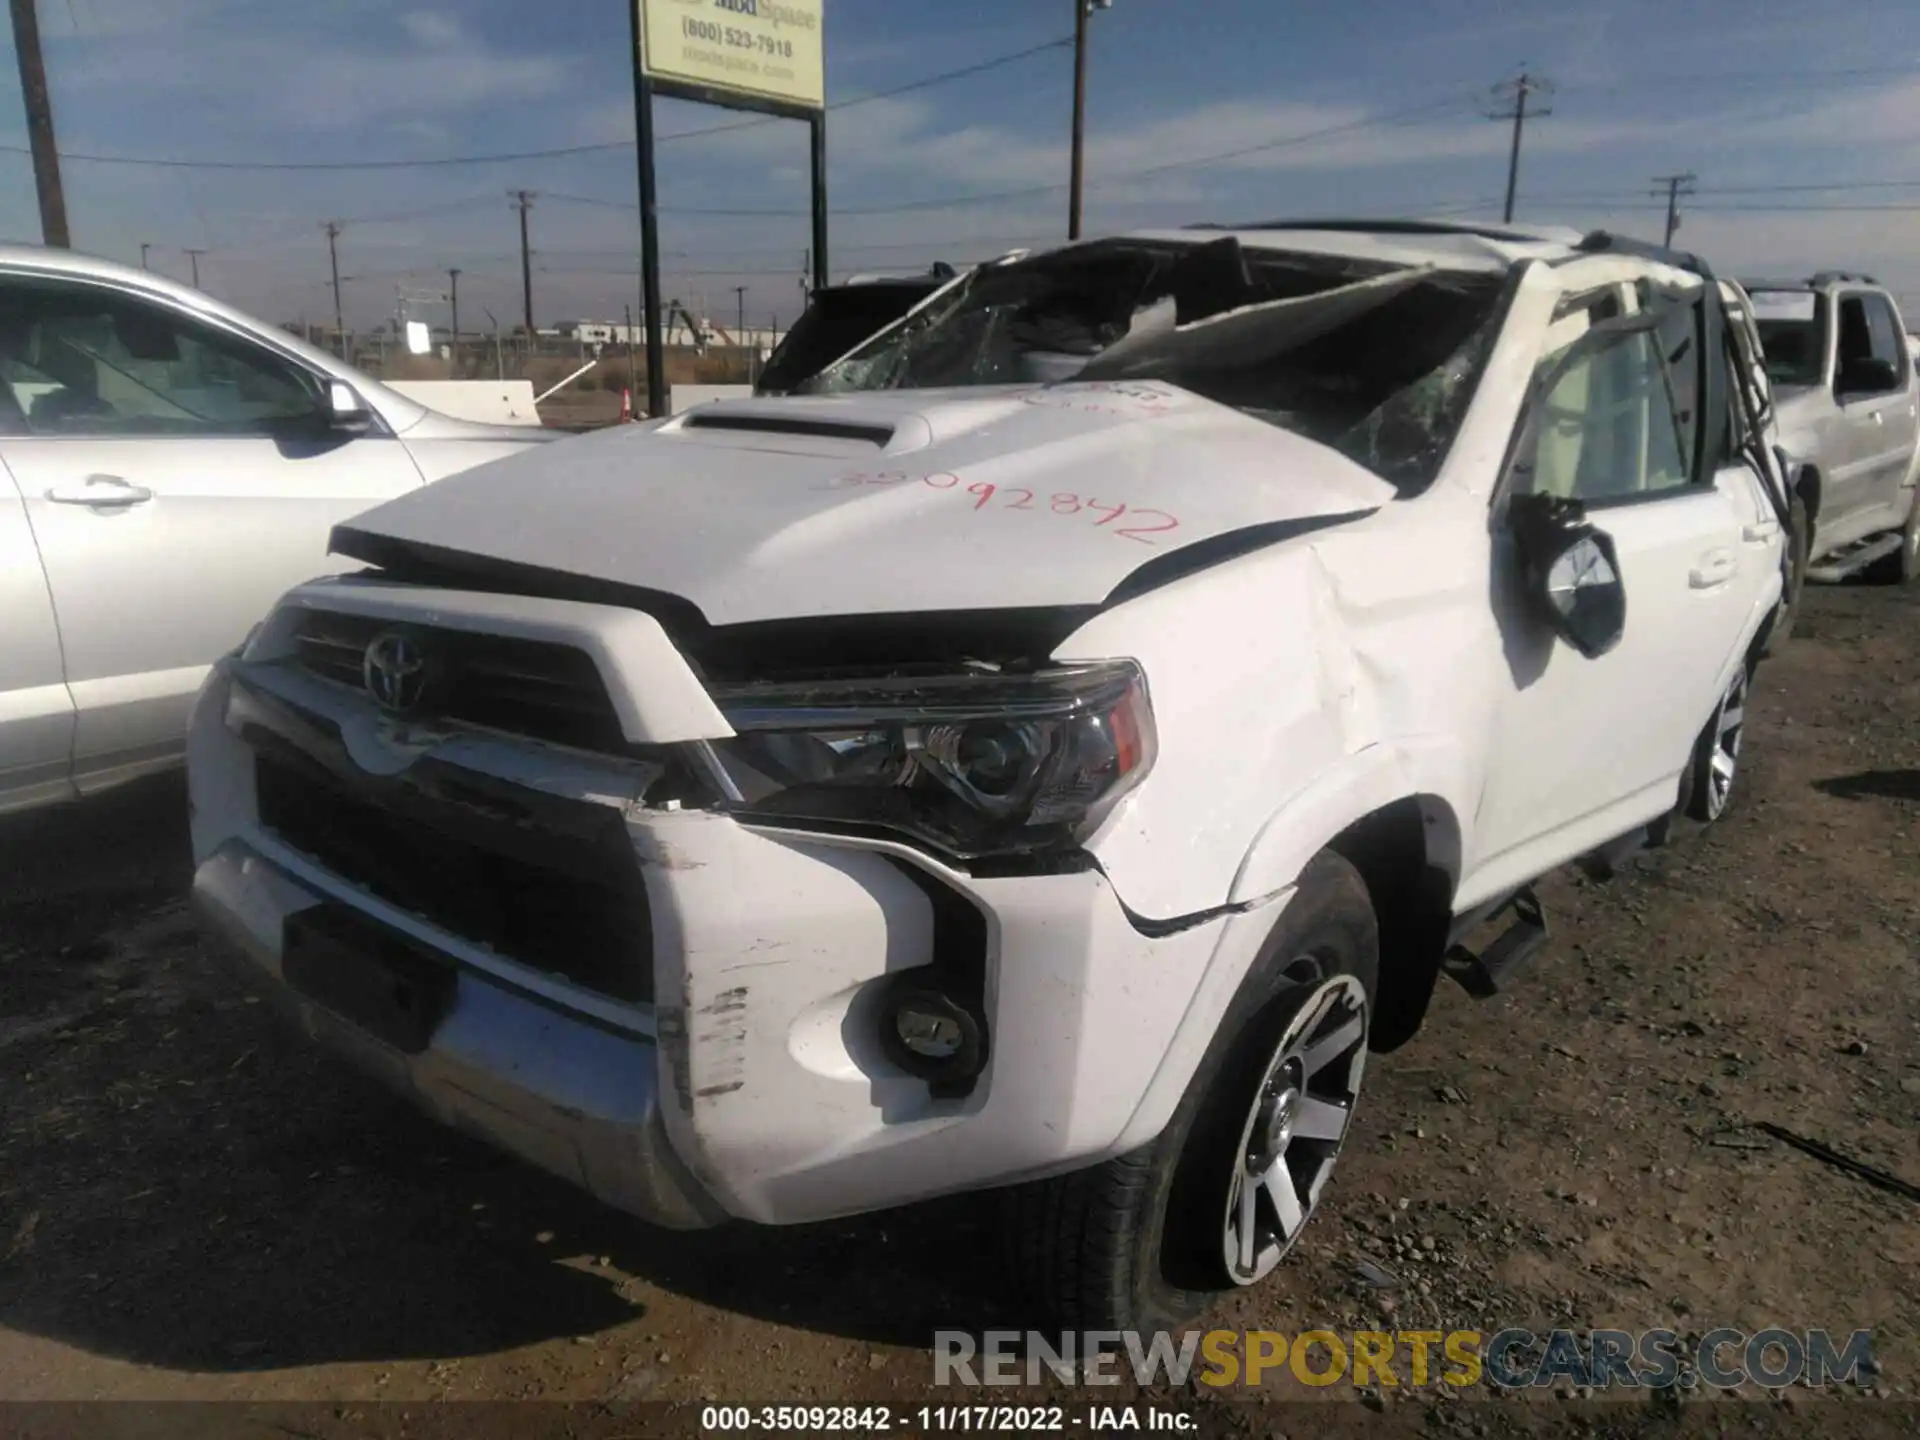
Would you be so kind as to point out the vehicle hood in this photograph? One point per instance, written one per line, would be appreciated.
(432, 425)
(895, 502)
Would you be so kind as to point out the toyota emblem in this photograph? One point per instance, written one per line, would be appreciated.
(399, 671)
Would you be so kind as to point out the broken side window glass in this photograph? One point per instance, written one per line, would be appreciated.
(1374, 360)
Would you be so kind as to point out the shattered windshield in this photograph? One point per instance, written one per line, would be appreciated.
(1377, 361)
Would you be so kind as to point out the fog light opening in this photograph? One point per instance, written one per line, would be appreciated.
(931, 1035)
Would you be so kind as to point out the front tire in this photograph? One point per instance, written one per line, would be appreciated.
(1152, 1239)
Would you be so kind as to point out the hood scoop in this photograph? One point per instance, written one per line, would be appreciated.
(878, 436)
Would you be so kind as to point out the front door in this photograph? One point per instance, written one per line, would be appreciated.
(178, 477)
(36, 712)
(1590, 748)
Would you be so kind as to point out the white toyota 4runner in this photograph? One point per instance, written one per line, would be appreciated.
(1051, 755)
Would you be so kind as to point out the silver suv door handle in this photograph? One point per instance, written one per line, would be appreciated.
(1760, 533)
(101, 492)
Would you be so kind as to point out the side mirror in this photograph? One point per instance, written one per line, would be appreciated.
(1571, 572)
(347, 413)
(1870, 376)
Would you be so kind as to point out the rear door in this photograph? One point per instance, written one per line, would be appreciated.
(178, 477)
(36, 712)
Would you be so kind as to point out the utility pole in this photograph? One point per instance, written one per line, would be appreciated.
(523, 201)
(145, 246)
(633, 375)
(193, 257)
(1513, 95)
(333, 256)
(740, 329)
(1676, 186)
(1082, 13)
(453, 299)
(46, 155)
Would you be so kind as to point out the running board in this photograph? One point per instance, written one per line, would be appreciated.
(1491, 971)
(1604, 863)
(1854, 561)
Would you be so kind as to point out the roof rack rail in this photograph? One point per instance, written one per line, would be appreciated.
(1598, 241)
(1387, 226)
(1841, 277)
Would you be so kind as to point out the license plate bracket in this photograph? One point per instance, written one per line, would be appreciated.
(374, 977)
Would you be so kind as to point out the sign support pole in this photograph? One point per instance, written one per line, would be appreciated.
(649, 226)
(817, 123)
(674, 55)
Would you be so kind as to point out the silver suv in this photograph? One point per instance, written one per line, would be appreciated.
(1845, 388)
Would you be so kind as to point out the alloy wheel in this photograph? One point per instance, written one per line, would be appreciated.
(1295, 1127)
(1723, 746)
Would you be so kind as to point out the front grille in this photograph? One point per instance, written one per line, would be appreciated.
(551, 884)
(523, 687)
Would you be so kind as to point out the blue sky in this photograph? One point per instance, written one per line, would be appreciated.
(1752, 97)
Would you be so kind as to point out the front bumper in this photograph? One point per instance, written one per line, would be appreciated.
(752, 1083)
(565, 1093)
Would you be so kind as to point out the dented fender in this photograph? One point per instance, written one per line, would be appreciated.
(1295, 690)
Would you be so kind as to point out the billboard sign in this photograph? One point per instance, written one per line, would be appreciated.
(759, 54)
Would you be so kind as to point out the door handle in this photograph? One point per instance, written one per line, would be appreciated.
(101, 492)
(1760, 533)
(1716, 567)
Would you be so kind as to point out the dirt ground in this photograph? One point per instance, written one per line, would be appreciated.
(195, 1204)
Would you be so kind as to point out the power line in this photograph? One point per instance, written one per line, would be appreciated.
(561, 152)
(1196, 162)
(1772, 78)
(274, 237)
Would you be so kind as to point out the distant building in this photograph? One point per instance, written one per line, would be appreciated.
(678, 335)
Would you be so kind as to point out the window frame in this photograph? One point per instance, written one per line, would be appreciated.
(1598, 336)
(15, 427)
(1902, 357)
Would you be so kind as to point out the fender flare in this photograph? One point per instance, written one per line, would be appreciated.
(1431, 769)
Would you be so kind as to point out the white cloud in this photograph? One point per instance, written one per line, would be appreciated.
(362, 68)
(431, 28)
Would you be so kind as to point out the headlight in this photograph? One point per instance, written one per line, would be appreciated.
(972, 764)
